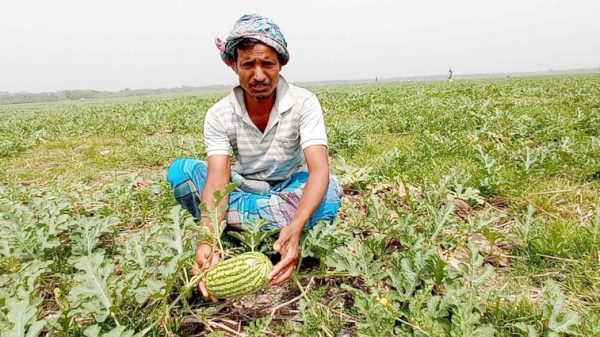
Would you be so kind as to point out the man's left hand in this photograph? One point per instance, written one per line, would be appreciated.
(288, 245)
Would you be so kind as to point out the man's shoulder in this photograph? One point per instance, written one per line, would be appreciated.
(222, 107)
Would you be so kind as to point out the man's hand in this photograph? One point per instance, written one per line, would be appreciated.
(206, 257)
(288, 245)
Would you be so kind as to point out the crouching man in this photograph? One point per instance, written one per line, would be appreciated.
(277, 135)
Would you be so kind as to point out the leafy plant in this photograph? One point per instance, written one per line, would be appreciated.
(91, 243)
(21, 318)
(256, 235)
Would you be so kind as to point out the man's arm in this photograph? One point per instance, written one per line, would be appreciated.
(288, 243)
(218, 177)
(316, 186)
(219, 174)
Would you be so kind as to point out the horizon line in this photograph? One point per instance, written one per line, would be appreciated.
(374, 79)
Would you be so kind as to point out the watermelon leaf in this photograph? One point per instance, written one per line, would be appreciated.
(22, 315)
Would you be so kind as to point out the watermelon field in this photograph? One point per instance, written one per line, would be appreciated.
(471, 208)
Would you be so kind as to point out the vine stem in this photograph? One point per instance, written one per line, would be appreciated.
(302, 294)
(112, 314)
(193, 281)
(416, 327)
(217, 228)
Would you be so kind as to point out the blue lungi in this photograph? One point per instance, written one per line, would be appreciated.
(275, 202)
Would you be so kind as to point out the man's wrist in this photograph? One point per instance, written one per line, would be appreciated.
(297, 227)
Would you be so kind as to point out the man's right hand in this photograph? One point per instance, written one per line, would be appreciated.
(207, 256)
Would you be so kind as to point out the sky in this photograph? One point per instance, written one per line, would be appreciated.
(117, 44)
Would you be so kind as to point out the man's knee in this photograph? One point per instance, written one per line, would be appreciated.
(187, 178)
(175, 172)
(183, 169)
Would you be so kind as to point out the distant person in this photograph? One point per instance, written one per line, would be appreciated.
(277, 135)
(450, 75)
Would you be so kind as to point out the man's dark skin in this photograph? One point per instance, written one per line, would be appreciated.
(258, 70)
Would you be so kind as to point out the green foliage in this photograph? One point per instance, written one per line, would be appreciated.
(92, 245)
(120, 331)
(321, 240)
(22, 316)
(91, 291)
(560, 319)
(256, 236)
(346, 138)
(556, 319)
(466, 300)
(215, 211)
(409, 271)
(257, 328)
(321, 315)
(358, 260)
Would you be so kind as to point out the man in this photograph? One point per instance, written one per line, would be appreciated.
(277, 135)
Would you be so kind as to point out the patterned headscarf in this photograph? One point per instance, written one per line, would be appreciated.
(256, 27)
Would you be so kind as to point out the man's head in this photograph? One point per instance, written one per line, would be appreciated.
(252, 28)
(257, 66)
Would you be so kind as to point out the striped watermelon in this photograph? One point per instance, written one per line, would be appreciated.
(241, 275)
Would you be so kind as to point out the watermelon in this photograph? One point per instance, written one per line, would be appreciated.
(241, 275)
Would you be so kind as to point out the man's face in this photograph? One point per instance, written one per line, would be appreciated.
(258, 69)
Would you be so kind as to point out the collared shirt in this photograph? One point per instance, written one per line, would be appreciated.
(295, 123)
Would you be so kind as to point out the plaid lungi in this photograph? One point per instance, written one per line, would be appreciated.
(275, 202)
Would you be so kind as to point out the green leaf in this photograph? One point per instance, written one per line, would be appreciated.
(152, 289)
(357, 260)
(120, 331)
(410, 270)
(528, 329)
(24, 283)
(86, 235)
(561, 319)
(323, 238)
(90, 293)
(22, 315)
(375, 318)
(485, 331)
(92, 331)
(469, 300)
(258, 327)
(475, 276)
(173, 238)
(254, 234)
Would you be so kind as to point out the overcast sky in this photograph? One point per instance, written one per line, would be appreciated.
(116, 44)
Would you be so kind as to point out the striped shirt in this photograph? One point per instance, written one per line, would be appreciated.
(295, 123)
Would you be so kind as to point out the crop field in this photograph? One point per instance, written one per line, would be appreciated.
(471, 208)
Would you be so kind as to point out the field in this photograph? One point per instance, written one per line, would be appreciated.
(471, 208)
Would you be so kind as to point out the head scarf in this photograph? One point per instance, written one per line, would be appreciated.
(256, 27)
